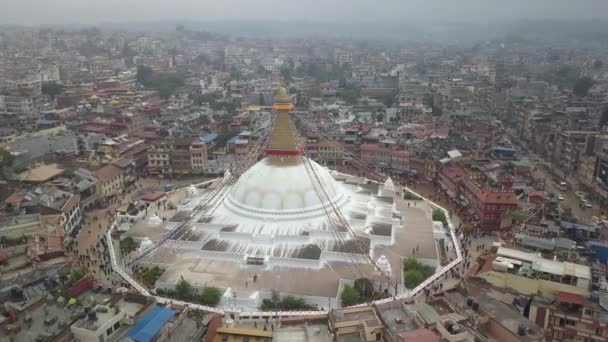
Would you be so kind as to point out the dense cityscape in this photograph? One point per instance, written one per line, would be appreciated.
(184, 184)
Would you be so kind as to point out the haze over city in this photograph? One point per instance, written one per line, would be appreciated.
(34, 12)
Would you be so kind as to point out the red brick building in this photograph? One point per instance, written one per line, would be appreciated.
(385, 158)
(450, 178)
(489, 205)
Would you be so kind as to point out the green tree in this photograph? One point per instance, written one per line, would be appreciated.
(127, 245)
(6, 158)
(211, 296)
(261, 70)
(349, 296)
(380, 117)
(516, 216)
(598, 64)
(261, 100)
(165, 83)
(389, 100)
(415, 272)
(75, 275)
(412, 278)
(183, 289)
(439, 215)
(604, 118)
(286, 74)
(52, 88)
(144, 74)
(365, 287)
(582, 85)
(315, 90)
(351, 94)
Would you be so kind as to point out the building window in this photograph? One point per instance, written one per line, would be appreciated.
(116, 325)
(109, 331)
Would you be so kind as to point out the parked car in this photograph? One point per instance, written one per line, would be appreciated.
(560, 197)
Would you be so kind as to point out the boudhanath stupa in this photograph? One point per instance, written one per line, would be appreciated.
(285, 205)
(292, 224)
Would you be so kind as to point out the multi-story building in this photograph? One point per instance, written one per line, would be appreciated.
(19, 104)
(385, 158)
(181, 158)
(569, 146)
(450, 178)
(111, 180)
(490, 206)
(159, 158)
(531, 274)
(178, 156)
(343, 57)
(198, 153)
(356, 323)
(100, 325)
(571, 317)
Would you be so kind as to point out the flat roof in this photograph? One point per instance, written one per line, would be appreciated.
(244, 332)
(545, 265)
(40, 173)
(150, 324)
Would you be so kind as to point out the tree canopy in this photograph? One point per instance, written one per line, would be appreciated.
(349, 296)
(211, 296)
(415, 272)
(582, 85)
(127, 245)
(604, 118)
(165, 83)
(288, 303)
(439, 215)
(52, 88)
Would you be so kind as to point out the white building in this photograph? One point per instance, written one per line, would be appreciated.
(99, 325)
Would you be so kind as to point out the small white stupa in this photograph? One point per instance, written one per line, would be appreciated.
(155, 220)
(192, 191)
(389, 184)
(145, 244)
(384, 267)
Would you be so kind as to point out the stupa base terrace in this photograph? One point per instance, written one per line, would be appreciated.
(229, 245)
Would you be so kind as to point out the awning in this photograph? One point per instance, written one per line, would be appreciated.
(570, 298)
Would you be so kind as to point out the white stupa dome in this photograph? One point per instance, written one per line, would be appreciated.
(384, 266)
(278, 190)
(389, 184)
(192, 191)
(145, 244)
(155, 220)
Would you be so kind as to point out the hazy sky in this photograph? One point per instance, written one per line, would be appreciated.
(95, 11)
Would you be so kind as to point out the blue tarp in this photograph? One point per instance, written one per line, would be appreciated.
(147, 328)
(577, 226)
(209, 137)
(599, 249)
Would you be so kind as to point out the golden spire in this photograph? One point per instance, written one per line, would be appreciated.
(283, 139)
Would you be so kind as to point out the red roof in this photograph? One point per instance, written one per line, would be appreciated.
(153, 196)
(3, 256)
(419, 335)
(570, 298)
(455, 173)
(14, 199)
(108, 172)
(500, 198)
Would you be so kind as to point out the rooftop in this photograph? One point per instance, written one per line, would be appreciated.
(40, 174)
(103, 314)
